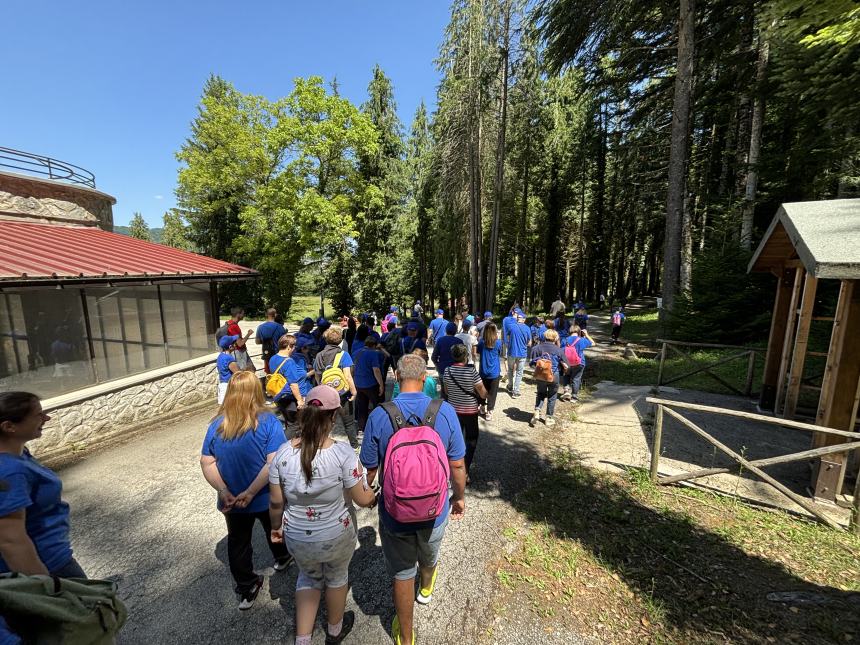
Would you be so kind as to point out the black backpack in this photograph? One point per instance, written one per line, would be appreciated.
(392, 342)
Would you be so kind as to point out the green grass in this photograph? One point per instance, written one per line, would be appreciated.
(642, 327)
(307, 306)
(674, 565)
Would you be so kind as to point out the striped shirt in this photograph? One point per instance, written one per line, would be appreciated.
(460, 383)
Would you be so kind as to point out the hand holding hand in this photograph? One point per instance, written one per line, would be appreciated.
(243, 499)
(227, 500)
(277, 536)
(382, 390)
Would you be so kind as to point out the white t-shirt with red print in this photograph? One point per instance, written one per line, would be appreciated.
(316, 510)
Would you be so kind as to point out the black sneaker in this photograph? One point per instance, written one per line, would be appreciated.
(250, 596)
(346, 628)
(281, 565)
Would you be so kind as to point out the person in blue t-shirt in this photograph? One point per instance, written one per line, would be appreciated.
(235, 460)
(507, 323)
(411, 341)
(226, 364)
(437, 327)
(442, 350)
(34, 531)
(490, 355)
(290, 363)
(361, 335)
(580, 318)
(572, 379)
(518, 339)
(537, 328)
(562, 327)
(618, 318)
(413, 549)
(268, 334)
(369, 380)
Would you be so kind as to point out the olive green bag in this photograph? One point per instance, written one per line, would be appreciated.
(61, 611)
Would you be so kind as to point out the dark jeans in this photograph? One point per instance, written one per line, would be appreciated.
(240, 530)
(548, 391)
(616, 332)
(289, 410)
(573, 378)
(69, 570)
(365, 401)
(469, 426)
(492, 385)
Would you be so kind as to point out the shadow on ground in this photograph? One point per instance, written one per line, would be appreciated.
(726, 599)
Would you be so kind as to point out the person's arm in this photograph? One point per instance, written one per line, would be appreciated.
(351, 383)
(276, 512)
(17, 548)
(435, 355)
(212, 475)
(360, 491)
(481, 390)
(246, 496)
(458, 486)
(377, 373)
(233, 366)
(297, 394)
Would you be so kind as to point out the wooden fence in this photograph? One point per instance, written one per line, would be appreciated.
(749, 353)
(663, 406)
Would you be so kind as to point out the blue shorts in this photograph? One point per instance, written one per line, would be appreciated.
(405, 552)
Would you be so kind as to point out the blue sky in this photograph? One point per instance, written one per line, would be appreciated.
(112, 86)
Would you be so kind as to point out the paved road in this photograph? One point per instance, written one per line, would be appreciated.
(143, 515)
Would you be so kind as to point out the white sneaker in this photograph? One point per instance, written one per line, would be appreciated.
(535, 418)
(549, 421)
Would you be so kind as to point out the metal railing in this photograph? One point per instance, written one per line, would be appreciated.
(852, 439)
(46, 167)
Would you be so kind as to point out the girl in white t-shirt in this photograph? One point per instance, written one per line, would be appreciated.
(313, 481)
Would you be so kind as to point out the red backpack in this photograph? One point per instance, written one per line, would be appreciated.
(415, 471)
(572, 356)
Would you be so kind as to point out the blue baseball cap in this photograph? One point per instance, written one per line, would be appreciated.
(519, 312)
(412, 327)
(226, 341)
(439, 311)
(308, 321)
(302, 342)
(467, 323)
(393, 308)
(488, 314)
(322, 322)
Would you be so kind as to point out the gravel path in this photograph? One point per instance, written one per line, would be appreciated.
(143, 515)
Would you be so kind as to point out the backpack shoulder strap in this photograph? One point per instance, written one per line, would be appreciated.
(432, 412)
(394, 415)
(336, 361)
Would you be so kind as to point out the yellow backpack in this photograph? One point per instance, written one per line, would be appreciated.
(333, 375)
(276, 381)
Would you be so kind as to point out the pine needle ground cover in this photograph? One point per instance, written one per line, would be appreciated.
(622, 561)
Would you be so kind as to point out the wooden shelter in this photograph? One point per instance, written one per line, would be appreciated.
(807, 244)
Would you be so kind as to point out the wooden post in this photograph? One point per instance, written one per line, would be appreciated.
(788, 340)
(837, 407)
(750, 374)
(801, 341)
(660, 370)
(776, 340)
(855, 516)
(658, 439)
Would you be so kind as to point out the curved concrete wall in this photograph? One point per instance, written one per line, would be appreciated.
(49, 201)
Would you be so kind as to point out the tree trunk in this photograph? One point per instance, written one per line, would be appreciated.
(492, 260)
(678, 154)
(522, 278)
(755, 145)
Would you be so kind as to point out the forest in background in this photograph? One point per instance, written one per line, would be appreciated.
(624, 147)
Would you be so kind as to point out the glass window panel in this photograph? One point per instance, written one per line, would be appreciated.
(188, 320)
(126, 328)
(43, 343)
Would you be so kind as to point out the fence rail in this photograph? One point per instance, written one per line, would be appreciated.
(749, 353)
(663, 406)
(46, 167)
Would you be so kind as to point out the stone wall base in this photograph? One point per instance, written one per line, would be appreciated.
(78, 428)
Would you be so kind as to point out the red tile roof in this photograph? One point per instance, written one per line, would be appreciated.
(48, 252)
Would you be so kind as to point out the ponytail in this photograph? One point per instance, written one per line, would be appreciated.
(315, 424)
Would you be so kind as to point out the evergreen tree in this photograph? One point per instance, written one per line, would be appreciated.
(139, 228)
(174, 233)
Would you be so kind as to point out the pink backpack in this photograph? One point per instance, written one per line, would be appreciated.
(572, 355)
(616, 319)
(415, 471)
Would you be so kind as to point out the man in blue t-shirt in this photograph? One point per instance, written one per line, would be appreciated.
(518, 339)
(268, 334)
(410, 548)
(437, 327)
(226, 364)
(442, 351)
(507, 323)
